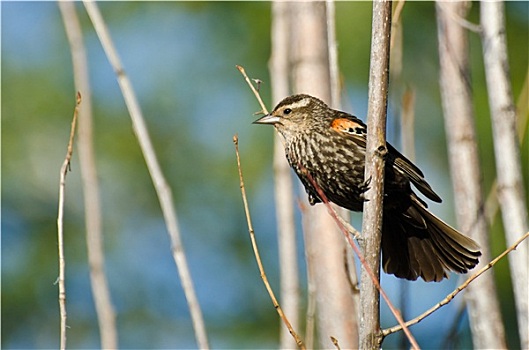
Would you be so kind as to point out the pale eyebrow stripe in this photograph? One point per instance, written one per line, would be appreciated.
(301, 103)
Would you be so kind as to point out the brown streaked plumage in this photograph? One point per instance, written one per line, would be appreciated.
(330, 145)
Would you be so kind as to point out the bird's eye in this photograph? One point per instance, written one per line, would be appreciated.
(287, 111)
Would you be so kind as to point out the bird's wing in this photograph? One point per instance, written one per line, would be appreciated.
(356, 131)
(413, 173)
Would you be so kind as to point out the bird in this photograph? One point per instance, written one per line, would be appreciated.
(327, 147)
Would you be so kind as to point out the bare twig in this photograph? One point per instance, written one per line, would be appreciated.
(370, 336)
(298, 340)
(160, 184)
(94, 240)
(451, 296)
(60, 228)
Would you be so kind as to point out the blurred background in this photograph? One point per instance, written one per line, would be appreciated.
(181, 58)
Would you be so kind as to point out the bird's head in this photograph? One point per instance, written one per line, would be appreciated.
(296, 114)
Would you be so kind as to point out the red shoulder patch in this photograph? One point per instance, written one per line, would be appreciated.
(348, 126)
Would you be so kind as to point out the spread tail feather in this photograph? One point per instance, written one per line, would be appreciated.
(417, 243)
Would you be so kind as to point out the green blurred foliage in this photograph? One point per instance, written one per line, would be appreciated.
(181, 58)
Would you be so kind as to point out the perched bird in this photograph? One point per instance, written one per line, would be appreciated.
(330, 146)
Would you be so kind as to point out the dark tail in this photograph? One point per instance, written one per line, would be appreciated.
(417, 243)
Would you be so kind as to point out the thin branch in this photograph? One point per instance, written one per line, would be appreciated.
(160, 184)
(376, 150)
(94, 237)
(298, 340)
(452, 295)
(60, 228)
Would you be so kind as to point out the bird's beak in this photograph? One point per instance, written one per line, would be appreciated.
(268, 119)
